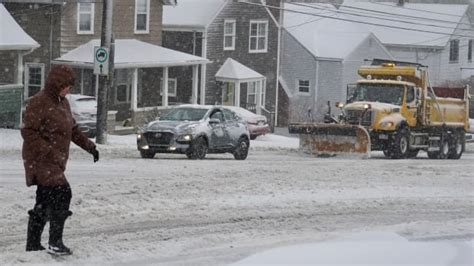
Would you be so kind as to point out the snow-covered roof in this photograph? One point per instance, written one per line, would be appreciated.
(439, 18)
(12, 36)
(191, 14)
(327, 36)
(131, 53)
(232, 70)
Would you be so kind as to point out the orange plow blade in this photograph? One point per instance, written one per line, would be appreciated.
(332, 139)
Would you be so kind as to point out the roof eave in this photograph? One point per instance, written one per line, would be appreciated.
(224, 79)
(87, 65)
(398, 45)
(190, 28)
(18, 47)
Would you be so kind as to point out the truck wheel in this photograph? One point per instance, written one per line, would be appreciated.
(443, 147)
(457, 145)
(401, 144)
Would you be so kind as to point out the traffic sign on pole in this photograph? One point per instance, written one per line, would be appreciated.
(101, 61)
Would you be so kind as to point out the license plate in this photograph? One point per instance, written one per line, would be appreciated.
(383, 136)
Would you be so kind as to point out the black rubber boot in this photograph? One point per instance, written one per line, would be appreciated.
(56, 228)
(36, 225)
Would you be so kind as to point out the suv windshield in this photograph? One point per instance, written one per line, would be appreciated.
(385, 93)
(184, 114)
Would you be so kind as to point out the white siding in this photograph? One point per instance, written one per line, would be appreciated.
(452, 71)
(298, 63)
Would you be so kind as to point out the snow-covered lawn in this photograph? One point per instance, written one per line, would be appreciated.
(277, 206)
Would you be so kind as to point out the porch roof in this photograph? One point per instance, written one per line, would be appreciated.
(130, 53)
(234, 71)
(12, 36)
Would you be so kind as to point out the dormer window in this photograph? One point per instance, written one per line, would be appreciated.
(85, 18)
(142, 16)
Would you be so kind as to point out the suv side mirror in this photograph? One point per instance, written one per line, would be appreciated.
(214, 121)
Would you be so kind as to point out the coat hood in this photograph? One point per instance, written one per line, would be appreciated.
(59, 77)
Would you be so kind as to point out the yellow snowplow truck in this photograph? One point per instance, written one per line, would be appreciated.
(393, 109)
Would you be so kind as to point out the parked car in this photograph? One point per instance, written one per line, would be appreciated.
(257, 124)
(84, 111)
(195, 130)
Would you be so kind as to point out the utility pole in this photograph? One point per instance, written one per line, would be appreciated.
(106, 81)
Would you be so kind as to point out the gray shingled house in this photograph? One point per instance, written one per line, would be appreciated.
(241, 42)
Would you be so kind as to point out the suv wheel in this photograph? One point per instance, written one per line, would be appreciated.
(242, 149)
(147, 154)
(198, 149)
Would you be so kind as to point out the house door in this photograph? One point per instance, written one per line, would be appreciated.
(228, 90)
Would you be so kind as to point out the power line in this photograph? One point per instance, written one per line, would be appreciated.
(421, 10)
(403, 15)
(379, 18)
(306, 22)
(356, 21)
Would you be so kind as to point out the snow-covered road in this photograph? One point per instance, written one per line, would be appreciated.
(175, 211)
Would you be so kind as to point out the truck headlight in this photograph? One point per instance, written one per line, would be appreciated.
(387, 124)
(184, 138)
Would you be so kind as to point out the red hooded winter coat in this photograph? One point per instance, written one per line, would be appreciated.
(47, 131)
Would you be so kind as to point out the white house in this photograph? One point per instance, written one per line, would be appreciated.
(439, 36)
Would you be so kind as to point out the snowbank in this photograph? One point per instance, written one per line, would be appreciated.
(11, 141)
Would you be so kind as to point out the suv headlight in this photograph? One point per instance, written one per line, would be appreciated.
(184, 138)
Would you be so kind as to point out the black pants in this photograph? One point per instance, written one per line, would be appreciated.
(52, 204)
(52, 199)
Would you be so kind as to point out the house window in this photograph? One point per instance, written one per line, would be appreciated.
(252, 93)
(142, 10)
(172, 87)
(454, 51)
(123, 90)
(34, 78)
(303, 86)
(229, 34)
(469, 51)
(85, 18)
(258, 36)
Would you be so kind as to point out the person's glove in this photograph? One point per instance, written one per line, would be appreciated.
(95, 153)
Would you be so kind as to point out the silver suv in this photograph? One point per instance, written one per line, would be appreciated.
(195, 130)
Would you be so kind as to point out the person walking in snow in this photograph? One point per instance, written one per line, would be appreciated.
(47, 131)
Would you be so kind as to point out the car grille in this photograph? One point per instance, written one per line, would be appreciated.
(353, 117)
(158, 138)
